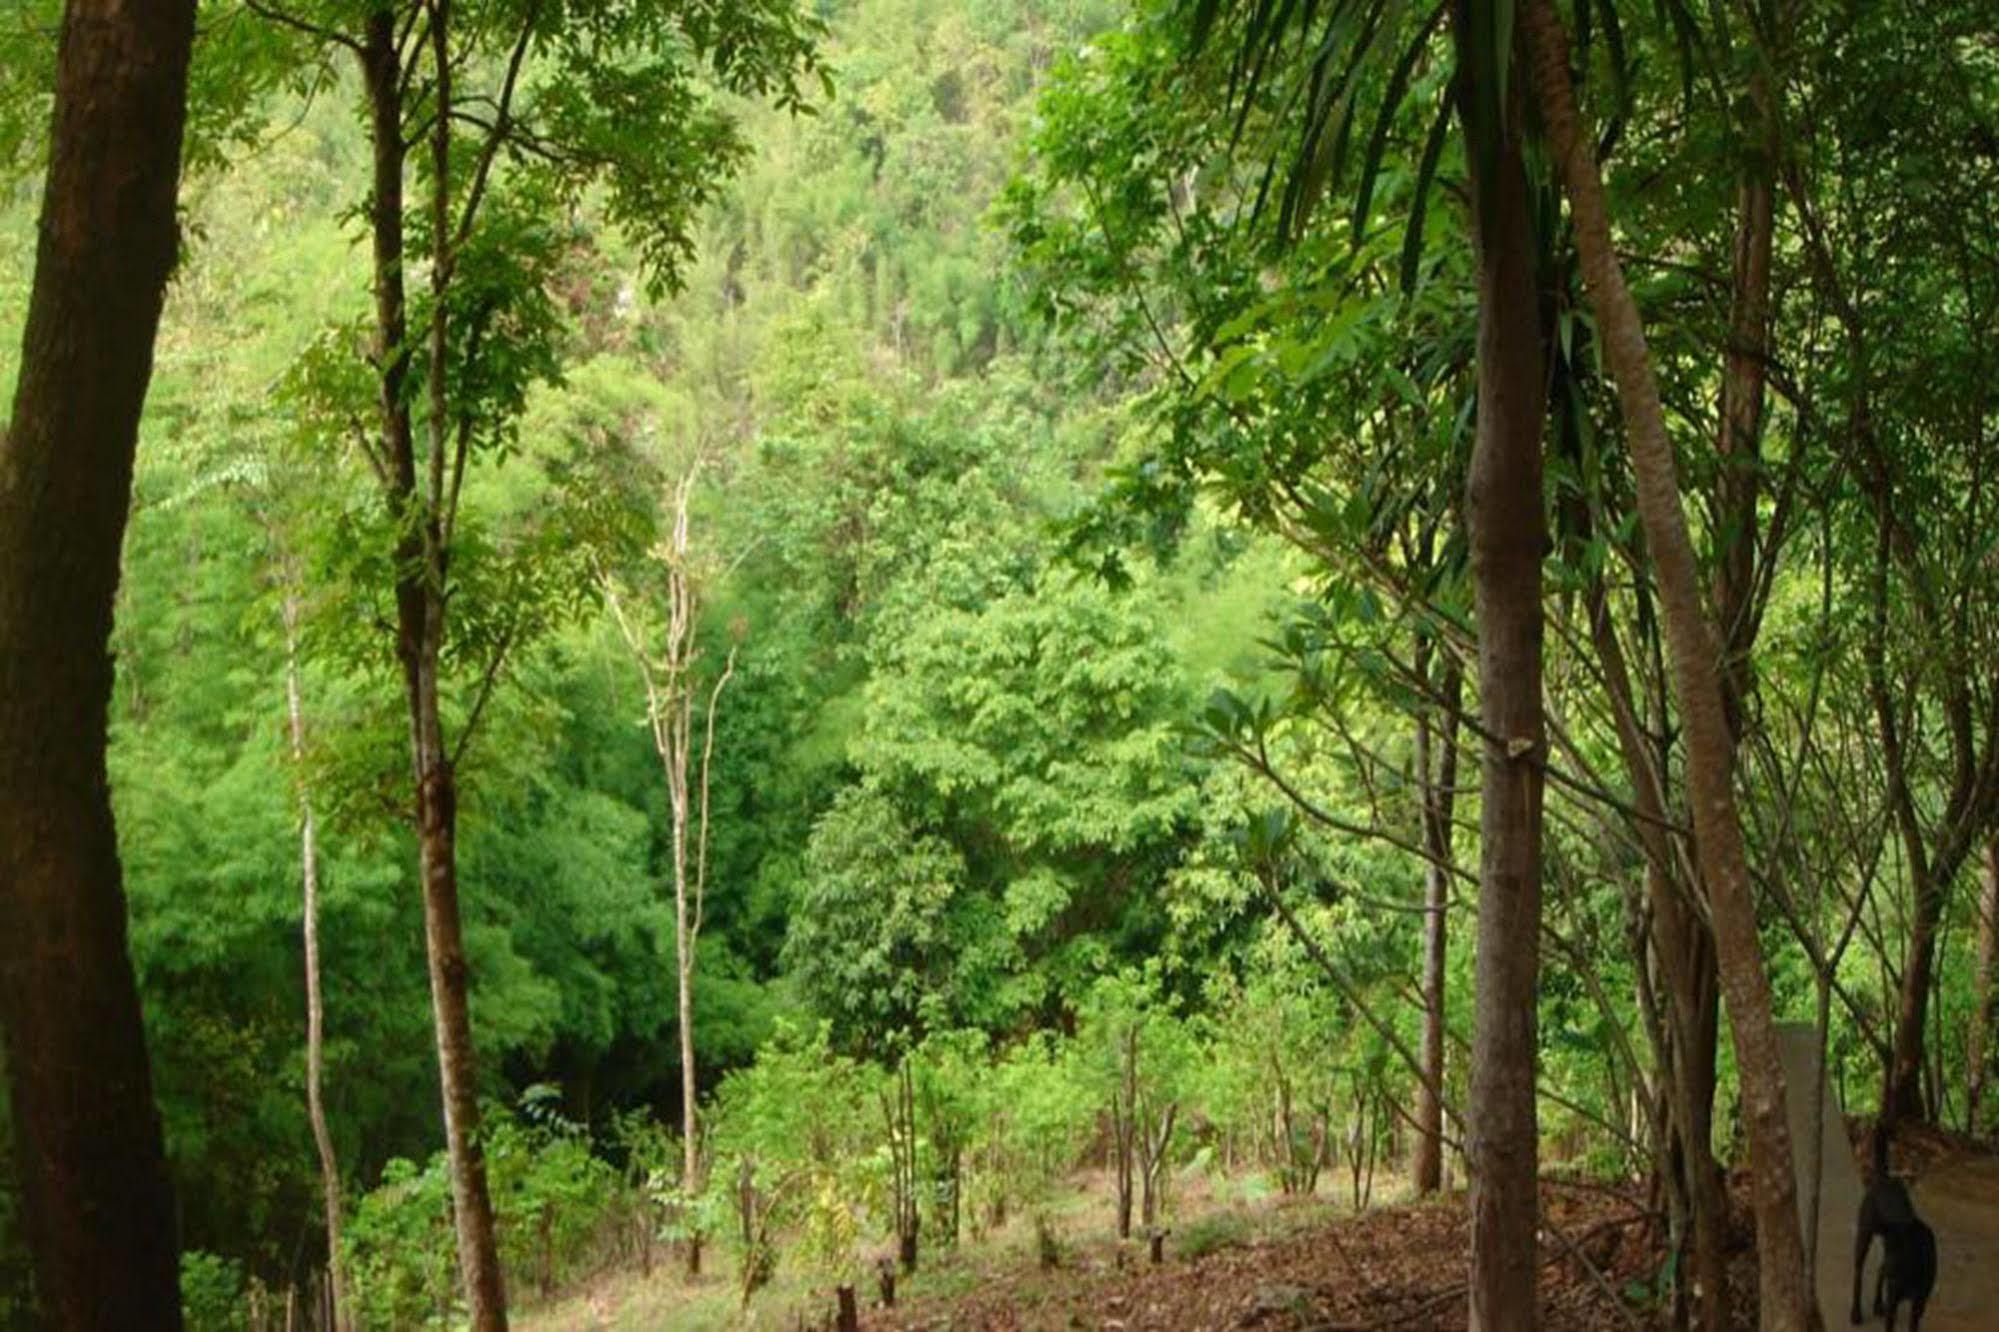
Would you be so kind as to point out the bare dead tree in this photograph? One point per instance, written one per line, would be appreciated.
(670, 673)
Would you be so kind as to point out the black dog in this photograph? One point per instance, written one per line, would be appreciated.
(1908, 1247)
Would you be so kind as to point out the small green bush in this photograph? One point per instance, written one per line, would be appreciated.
(1217, 1230)
(401, 1253)
(211, 1293)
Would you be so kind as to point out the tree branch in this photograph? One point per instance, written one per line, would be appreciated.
(297, 24)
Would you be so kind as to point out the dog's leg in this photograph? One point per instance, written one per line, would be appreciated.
(1916, 1312)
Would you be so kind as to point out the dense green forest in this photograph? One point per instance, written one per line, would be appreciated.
(761, 643)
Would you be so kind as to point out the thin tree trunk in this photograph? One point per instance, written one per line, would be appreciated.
(1745, 365)
(1902, 1093)
(683, 955)
(315, 1010)
(99, 1213)
(1440, 779)
(1786, 1300)
(899, 1113)
(669, 686)
(671, 735)
(1905, 1094)
(1124, 1128)
(1508, 537)
(1679, 944)
(1981, 989)
(1152, 1162)
(690, 1144)
(420, 614)
(1739, 444)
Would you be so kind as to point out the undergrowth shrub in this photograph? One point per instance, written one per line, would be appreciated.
(211, 1293)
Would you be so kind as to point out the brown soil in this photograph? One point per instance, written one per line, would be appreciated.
(1403, 1269)
(1276, 1267)
(1396, 1268)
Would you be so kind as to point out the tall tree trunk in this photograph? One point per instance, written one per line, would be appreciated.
(1508, 529)
(315, 1010)
(1738, 484)
(420, 610)
(1440, 778)
(1786, 1299)
(1975, 1054)
(1685, 944)
(92, 1168)
(450, 988)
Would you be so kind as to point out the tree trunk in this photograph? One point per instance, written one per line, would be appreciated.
(450, 998)
(1124, 1130)
(315, 1011)
(669, 686)
(1679, 943)
(899, 1106)
(1739, 445)
(1745, 366)
(1981, 989)
(420, 611)
(690, 1141)
(671, 736)
(1901, 1093)
(98, 1203)
(1508, 531)
(1905, 1093)
(1152, 1162)
(1786, 1299)
(1440, 777)
(1121, 1166)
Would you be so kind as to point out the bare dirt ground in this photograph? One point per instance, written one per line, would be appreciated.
(1272, 1266)
(1400, 1267)
(1403, 1269)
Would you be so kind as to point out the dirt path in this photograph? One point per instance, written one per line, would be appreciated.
(1960, 1200)
(1956, 1192)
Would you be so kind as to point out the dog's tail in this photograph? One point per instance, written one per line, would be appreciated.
(1884, 1127)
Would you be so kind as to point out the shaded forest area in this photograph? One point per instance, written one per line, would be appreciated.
(706, 655)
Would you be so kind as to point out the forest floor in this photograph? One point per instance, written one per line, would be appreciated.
(1236, 1259)
(1398, 1266)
